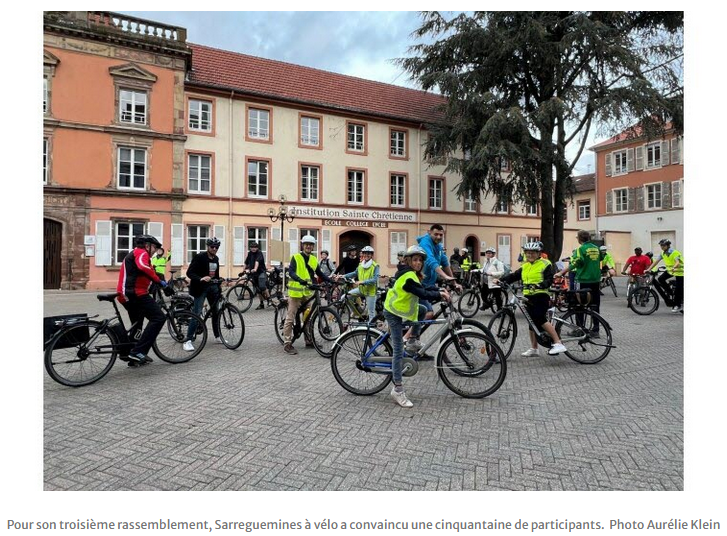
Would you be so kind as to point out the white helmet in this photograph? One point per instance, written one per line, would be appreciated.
(533, 246)
(603, 248)
(367, 249)
(308, 239)
(464, 251)
(490, 250)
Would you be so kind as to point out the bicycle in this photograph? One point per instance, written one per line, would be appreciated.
(471, 364)
(180, 284)
(584, 344)
(320, 325)
(81, 351)
(470, 301)
(607, 281)
(644, 298)
(558, 294)
(227, 320)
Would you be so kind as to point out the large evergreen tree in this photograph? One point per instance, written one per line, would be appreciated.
(523, 86)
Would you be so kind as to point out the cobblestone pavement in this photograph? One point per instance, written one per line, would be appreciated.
(258, 419)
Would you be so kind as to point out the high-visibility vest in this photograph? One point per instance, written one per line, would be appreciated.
(670, 260)
(363, 275)
(466, 264)
(295, 289)
(532, 274)
(400, 302)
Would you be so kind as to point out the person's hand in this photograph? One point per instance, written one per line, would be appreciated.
(206, 279)
(497, 281)
(445, 295)
(623, 273)
(163, 283)
(355, 284)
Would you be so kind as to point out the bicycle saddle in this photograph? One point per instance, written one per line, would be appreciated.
(107, 297)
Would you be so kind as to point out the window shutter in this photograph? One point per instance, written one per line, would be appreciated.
(238, 246)
(629, 160)
(640, 192)
(222, 252)
(664, 153)
(326, 241)
(675, 156)
(156, 229)
(676, 194)
(293, 240)
(177, 244)
(681, 150)
(609, 201)
(631, 199)
(276, 233)
(640, 158)
(103, 243)
(609, 157)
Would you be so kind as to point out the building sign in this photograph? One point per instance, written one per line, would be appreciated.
(354, 214)
(356, 223)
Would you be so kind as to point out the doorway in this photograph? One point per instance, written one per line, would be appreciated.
(352, 238)
(52, 240)
(473, 246)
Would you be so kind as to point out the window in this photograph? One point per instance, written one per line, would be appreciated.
(197, 236)
(314, 234)
(436, 188)
(355, 187)
(132, 106)
(200, 115)
(258, 124)
(45, 160)
(132, 168)
(125, 233)
(397, 243)
(531, 209)
(621, 200)
(397, 146)
(653, 155)
(677, 196)
(259, 235)
(653, 196)
(45, 95)
(257, 178)
(619, 162)
(397, 189)
(584, 210)
(199, 174)
(309, 182)
(469, 204)
(310, 131)
(356, 137)
(503, 207)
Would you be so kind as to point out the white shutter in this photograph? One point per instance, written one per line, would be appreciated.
(326, 241)
(629, 160)
(609, 164)
(177, 244)
(238, 246)
(293, 240)
(640, 158)
(156, 229)
(664, 153)
(681, 150)
(609, 201)
(276, 233)
(676, 194)
(103, 243)
(222, 252)
(675, 156)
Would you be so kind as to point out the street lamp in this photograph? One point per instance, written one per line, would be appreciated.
(283, 214)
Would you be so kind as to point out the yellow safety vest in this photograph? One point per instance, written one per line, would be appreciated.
(670, 261)
(295, 289)
(400, 302)
(363, 275)
(466, 264)
(532, 274)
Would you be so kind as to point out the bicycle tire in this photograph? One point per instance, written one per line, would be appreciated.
(74, 365)
(346, 358)
(503, 327)
(612, 284)
(582, 348)
(644, 301)
(230, 326)
(324, 327)
(169, 342)
(478, 364)
(241, 296)
(469, 303)
(281, 312)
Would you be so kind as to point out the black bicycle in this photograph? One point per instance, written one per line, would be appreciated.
(80, 351)
(643, 296)
(227, 320)
(607, 281)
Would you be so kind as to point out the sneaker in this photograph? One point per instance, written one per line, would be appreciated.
(218, 340)
(288, 349)
(531, 352)
(188, 346)
(557, 348)
(675, 309)
(309, 344)
(412, 345)
(594, 335)
(400, 398)
(426, 357)
(139, 359)
(261, 306)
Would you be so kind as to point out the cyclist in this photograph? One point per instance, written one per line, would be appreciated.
(255, 267)
(492, 269)
(135, 278)
(349, 262)
(466, 263)
(674, 262)
(159, 261)
(638, 263)
(403, 303)
(608, 265)
(302, 270)
(327, 265)
(536, 274)
(366, 276)
(204, 267)
(400, 260)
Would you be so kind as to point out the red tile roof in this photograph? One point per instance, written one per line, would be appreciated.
(631, 133)
(277, 80)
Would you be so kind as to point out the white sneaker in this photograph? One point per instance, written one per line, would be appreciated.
(400, 398)
(413, 345)
(218, 340)
(531, 352)
(188, 346)
(675, 309)
(557, 348)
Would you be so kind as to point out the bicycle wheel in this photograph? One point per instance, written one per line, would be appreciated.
(613, 286)
(471, 364)
(644, 301)
(170, 341)
(281, 311)
(231, 326)
(469, 303)
(578, 336)
(504, 328)
(241, 296)
(325, 327)
(346, 359)
(81, 354)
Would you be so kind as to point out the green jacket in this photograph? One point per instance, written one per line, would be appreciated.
(587, 263)
(160, 263)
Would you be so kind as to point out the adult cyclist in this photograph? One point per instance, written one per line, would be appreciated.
(674, 262)
(366, 278)
(204, 267)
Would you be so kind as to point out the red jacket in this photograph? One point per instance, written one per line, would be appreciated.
(136, 275)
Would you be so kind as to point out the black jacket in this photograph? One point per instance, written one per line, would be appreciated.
(430, 294)
(200, 267)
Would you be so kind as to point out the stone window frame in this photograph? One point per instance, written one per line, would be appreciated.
(131, 77)
(115, 221)
(50, 63)
(131, 142)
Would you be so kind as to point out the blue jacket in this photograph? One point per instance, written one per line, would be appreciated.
(435, 258)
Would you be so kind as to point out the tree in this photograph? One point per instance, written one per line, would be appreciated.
(523, 86)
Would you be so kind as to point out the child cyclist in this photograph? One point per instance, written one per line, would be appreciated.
(402, 304)
(537, 276)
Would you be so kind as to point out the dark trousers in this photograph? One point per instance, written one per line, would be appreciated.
(139, 308)
(662, 280)
(595, 301)
(211, 294)
(496, 293)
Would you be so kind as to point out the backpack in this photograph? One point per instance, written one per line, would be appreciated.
(507, 269)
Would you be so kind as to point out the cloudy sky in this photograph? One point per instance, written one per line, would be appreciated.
(361, 44)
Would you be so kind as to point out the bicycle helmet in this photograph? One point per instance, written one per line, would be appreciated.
(533, 246)
(464, 251)
(603, 248)
(367, 249)
(140, 240)
(665, 242)
(649, 254)
(213, 242)
(490, 250)
(324, 251)
(308, 239)
(416, 250)
(255, 245)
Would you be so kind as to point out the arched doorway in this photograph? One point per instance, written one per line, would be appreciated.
(473, 246)
(52, 240)
(357, 238)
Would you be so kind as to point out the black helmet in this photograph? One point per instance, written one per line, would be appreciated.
(255, 245)
(665, 242)
(140, 240)
(214, 242)
(649, 254)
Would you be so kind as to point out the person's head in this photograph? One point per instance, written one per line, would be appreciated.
(603, 249)
(490, 253)
(254, 247)
(148, 242)
(160, 251)
(436, 231)
(352, 251)
(414, 258)
(664, 244)
(307, 243)
(213, 244)
(456, 251)
(650, 254)
(324, 254)
(464, 252)
(400, 256)
(532, 250)
(367, 252)
(638, 251)
(583, 236)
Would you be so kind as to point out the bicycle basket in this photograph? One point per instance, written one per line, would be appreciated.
(578, 298)
(53, 324)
